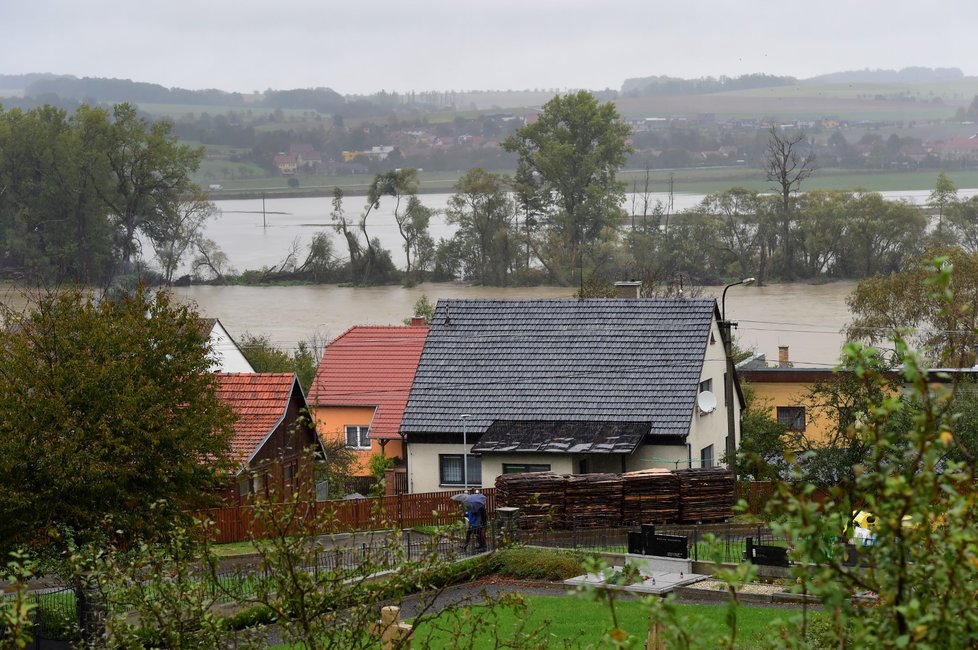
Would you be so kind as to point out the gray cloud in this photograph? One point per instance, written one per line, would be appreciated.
(452, 44)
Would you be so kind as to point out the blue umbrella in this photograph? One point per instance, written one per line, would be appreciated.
(471, 501)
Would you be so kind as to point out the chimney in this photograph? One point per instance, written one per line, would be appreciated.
(630, 290)
(418, 321)
(783, 356)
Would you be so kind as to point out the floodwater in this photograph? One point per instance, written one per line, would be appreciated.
(807, 318)
(254, 233)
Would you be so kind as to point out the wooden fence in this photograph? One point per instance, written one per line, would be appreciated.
(236, 524)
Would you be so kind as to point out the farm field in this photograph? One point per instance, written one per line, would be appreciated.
(690, 181)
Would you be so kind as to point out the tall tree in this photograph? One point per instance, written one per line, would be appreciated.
(906, 304)
(345, 227)
(53, 226)
(944, 195)
(398, 184)
(413, 226)
(149, 171)
(962, 219)
(110, 424)
(788, 161)
(739, 213)
(483, 212)
(177, 229)
(569, 159)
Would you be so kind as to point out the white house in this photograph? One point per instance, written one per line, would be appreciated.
(569, 386)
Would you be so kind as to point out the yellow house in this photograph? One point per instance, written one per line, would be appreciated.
(785, 391)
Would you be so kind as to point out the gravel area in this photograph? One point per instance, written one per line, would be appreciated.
(750, 588)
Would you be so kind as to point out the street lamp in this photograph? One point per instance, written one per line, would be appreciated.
(723, 298)
(727, 336)
(465, 450)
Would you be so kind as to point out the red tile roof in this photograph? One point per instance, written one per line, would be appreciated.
(370, 366)
(260, 400)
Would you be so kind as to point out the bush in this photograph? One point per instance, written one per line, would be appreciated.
(539, 564)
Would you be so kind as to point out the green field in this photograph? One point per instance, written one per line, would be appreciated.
(690, 181)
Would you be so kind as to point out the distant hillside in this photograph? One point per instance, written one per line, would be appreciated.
(22, 81)
(662, 86)
(913, 75)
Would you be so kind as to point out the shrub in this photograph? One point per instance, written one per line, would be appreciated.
(539, 564)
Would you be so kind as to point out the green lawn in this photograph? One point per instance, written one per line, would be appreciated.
(583, 622)
(573, 617)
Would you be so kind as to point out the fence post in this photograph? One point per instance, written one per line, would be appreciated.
(90, 608)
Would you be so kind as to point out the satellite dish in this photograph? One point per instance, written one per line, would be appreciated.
(707, 402)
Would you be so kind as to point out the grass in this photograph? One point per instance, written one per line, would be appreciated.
(232, 549)
(587, 621)
(584, 622)
(688, 180)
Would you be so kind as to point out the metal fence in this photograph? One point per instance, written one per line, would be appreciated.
(725, 543)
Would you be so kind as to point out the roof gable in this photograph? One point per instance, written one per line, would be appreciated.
(260, 401)
(611, 360)
(370, 366)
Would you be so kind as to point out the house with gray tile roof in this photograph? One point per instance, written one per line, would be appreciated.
(569, 386)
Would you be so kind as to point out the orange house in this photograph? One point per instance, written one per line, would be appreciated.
(362, 386)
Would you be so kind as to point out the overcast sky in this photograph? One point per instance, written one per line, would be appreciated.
(363, 46)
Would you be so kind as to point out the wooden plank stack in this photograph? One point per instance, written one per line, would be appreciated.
(539, 496)
(706, 494)
(651, 496)
(593, 500)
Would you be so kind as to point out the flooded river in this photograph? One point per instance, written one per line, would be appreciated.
(807, 318)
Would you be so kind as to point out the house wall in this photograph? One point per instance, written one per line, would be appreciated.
(711, 428)
(227, 356)
(774, 394)
(492, 464)
(331, 423)
(290, 439)
(657, 456)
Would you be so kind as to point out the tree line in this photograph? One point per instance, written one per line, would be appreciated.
(81, 194)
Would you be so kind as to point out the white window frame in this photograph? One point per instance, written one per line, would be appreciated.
(362, 434)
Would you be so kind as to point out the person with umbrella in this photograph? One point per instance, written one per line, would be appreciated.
(474, 509)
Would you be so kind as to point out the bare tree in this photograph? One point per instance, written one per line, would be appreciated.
(788, 161)
(211, 262)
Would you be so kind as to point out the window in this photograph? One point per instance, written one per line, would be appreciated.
(244, 486)
(522, 468)
(289, 472)
(792, 417)
(258, 484)
(706, 457)
(706, 384)
(450, 470)
(322, 490)
(357, 437)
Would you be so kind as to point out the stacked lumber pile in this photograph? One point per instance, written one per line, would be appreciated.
(651, 496)
(706, 494)
(593, 500)
(538, 495)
